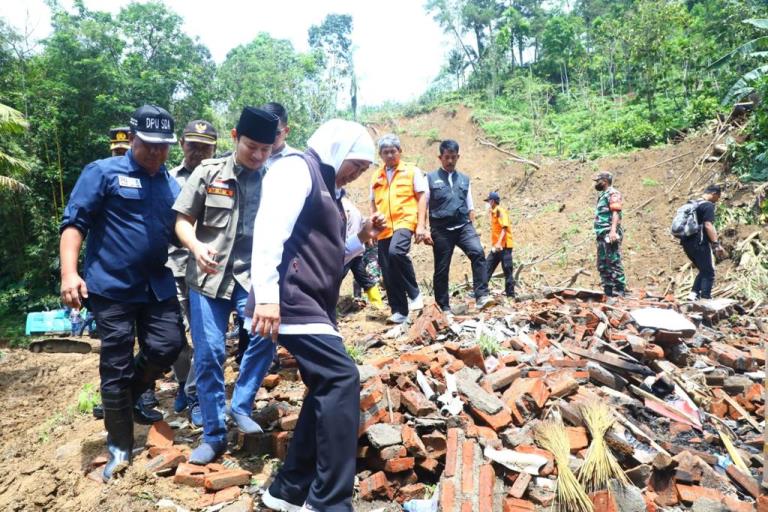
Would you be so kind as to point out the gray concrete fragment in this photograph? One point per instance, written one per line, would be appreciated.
(382, 435)
(466, 381)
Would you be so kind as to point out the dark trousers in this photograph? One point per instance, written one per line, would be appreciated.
(159, 329)
(466, 239)
(320, 465)
(701, 256)
(504, 257)
(397, 270)
(361, 275)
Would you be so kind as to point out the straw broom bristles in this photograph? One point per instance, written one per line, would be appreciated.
(551, 435)
(600, 465)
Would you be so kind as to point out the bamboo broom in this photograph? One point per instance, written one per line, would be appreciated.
(570, 495)
(600, 465)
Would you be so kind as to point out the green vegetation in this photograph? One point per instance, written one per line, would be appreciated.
(597, 77)
(60, 96)
(650, 182)
(489, 345)
(88, 398)
(355, 352)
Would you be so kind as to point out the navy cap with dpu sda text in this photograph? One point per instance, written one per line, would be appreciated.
(153, 124)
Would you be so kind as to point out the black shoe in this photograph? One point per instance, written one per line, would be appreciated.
(144, 415)
(608, 290)
(148, 398)
(118, 420)
(98, 412)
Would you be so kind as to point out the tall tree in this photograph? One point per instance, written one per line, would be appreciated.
(268, 69)
(333, 40)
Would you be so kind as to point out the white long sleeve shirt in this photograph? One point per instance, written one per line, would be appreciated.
(285, 189)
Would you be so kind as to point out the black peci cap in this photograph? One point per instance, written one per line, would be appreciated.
(258, 124)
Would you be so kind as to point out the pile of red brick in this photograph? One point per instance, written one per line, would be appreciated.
(439, 413)
(577, 349)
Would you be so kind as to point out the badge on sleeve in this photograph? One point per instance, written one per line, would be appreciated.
(127, 181)
(220, 188)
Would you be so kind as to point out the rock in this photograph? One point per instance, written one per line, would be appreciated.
(367, 372)
(466, 382)
(628, 498)
(706, 505)
(382, 435)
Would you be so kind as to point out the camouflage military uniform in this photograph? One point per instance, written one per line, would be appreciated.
(609, 254)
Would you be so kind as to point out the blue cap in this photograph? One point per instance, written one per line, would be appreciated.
(493, 196)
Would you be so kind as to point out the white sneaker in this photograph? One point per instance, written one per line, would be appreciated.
(279, 505)
(397, 318)
(693, 297)
(485, 302)
(416, 304)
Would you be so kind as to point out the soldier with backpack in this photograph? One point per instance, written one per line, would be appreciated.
(694, 225)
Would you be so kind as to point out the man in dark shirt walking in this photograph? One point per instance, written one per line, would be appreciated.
(451, 216)
(123, 206)
(698, 247)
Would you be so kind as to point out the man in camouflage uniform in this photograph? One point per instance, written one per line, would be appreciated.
(609, 234)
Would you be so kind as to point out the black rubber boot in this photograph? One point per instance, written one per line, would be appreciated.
(118, 420)
(145, 374)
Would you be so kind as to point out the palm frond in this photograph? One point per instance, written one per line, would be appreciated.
(8, 183)
(9, 162)
(11, 120)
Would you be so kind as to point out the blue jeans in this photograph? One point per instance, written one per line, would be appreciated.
(209, 318)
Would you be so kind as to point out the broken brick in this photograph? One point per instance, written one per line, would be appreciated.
(521, 485)
(691, 493)
(416, 403)
(374, 485)
(413, 443)
(577, 438)
(168, 459)
(271, 381)
(160, 435)
(223, 479)
(190, 474)
(472, 357)
(435, 443)
(399, 465)
(517, 505)
(415, 491)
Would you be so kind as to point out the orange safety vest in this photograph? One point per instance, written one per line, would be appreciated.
(499, 220)
(396, 200)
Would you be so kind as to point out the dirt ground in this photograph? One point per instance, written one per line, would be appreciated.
(46, 447)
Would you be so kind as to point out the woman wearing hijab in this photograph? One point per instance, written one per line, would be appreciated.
(297, 267)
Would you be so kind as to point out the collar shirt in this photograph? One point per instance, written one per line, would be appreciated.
(125, 214)
(223, 199)
(275, 157)
(178, 256)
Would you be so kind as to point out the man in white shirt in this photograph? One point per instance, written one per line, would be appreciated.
(280, 148)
